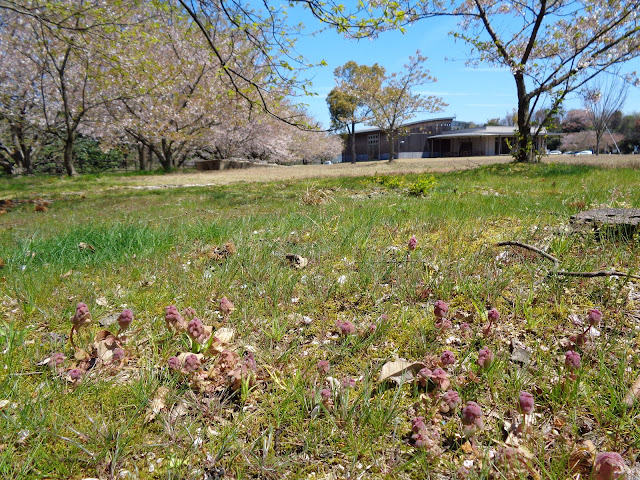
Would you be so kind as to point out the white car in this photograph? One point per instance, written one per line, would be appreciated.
(584, 152)
(554, 152)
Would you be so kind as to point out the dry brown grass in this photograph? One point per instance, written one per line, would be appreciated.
(401, 166)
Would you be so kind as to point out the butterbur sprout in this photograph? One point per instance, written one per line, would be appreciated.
(191, 363)
(345, 327)
(594, 316)
(56, 359)
(82, 316)
(493, 315)
(174, 321)
(125, 319)
(174, 363)
(75, 374)
(195, 329)
(472, 418)
(465, 329)
(440, 309)
(609, 466)
(572, 360)
(372, 328)
(450, 401)
(323, 367)
(326, 395)
(447, 358)
(525, 403)
(118, 354)
(348, 383)
(413, 242)
(250, 361)
(440, 378)
(189, 313)
(226, 306)
(485, 357)
(417, 424)
(507, 457)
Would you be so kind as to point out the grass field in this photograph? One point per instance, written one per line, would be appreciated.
(265, 407)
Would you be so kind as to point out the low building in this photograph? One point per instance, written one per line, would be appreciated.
(440, 137)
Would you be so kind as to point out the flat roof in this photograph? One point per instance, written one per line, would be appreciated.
(487, 131)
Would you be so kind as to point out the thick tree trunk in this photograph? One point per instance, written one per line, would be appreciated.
(354, 159)
(67, 157)
(391, 149)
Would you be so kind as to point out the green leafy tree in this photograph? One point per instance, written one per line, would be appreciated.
(392, 101)
(347, 101)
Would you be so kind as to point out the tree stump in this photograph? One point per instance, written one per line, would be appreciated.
(623, 221)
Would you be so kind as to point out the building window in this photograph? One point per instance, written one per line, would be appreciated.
(372, 139)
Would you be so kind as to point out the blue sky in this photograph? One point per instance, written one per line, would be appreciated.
(472, 94)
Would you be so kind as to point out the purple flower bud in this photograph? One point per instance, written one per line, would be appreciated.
(250, 361)
(189, 313)
(447, 358)
(125, 319)
(472, 415)
(75, 374)
(507, 457)
(440, 378)
(191, 363)
(493, 315)
(525, 403)
(417, 424)
(226, 306)
(195, 329)
(485, 357)
(465, 329)
(326, 393)
(56, 359)
(440, 309)
(345, 327)
(372, 328)
(609, 466)
(174, 321)
(426, 440)
(572, 360)
(118, 354)
(82, 315)
(594, 316)
(451, 399)
(323, 367)
(174, 363)
(348, 383)
(413, 242)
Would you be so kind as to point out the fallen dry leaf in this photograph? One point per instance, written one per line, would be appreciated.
(297, 261)
(633, 394)
(224, 334)
(400, 371)
(86, 246)
(157, 404)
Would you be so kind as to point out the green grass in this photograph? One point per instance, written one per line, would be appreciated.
(151, 249)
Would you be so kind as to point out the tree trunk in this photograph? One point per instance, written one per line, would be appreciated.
(391, 149)
(598, 137)
(68, 156)
(142, 159)
(166, 160)
(353, 142)
(525, 149)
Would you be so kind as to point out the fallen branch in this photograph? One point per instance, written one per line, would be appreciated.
(564, 273)
(602, 273)
(542, 253)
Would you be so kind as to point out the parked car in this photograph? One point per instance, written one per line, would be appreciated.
(554, 152)
(328, 162)
(584, 152)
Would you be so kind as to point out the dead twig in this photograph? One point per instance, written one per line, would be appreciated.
(532, 248)
(601, 273)
(564, 273)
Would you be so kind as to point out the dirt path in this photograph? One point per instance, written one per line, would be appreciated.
(401, 166)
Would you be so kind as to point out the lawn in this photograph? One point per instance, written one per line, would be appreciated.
(290, 387)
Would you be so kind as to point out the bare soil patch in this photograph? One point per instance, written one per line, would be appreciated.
(401, 166)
